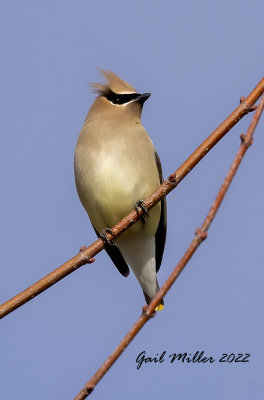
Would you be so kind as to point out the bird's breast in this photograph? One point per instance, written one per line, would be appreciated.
(112, 175)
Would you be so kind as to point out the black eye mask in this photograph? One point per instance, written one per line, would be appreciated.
(116, 98)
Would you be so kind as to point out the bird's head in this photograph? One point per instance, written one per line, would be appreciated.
(118, 97)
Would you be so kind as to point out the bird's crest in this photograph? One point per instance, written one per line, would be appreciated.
(113, 83)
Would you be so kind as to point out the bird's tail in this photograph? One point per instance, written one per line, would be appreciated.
(148, 299)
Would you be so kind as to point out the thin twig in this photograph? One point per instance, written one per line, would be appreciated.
(86, 256)
(201, 234)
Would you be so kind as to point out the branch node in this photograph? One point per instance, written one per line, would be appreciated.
(89, 260)
(245, 141)
(173, 179)
(88, 389)
(252, 108)
(201, 235)
(146, 313)
(248, 108)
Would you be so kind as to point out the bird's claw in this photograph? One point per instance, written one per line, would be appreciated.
(103, 236)
(141, 205)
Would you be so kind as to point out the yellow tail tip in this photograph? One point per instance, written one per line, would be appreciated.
(159, 307)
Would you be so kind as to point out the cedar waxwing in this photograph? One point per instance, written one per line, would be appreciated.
(116, 167)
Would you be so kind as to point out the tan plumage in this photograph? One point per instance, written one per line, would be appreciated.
(115, 166)
(114, 83)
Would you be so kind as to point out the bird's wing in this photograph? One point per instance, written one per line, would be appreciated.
(160, 237)
(116, 256)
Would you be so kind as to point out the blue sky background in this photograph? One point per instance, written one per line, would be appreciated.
(197, 58)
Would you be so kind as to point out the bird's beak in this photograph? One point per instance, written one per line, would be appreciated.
(142, 97)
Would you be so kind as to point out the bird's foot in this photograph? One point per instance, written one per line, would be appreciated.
(103, 236)
(141, 205)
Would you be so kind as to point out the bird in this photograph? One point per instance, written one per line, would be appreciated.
(116, 166)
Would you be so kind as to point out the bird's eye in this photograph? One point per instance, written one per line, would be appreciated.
(120, 98)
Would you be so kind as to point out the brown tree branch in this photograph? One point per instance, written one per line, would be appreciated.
(85, 256)
(200, 235)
